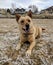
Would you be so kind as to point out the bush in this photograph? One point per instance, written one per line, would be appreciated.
(42, 16)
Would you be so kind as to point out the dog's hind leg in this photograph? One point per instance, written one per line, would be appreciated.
(39, 31)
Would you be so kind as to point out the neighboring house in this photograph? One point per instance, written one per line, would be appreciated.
(44, 12)
(47, 11)
(2, 11)
(20, 11)
(10, 11)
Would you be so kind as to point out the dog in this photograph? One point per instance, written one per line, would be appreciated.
(28, 32)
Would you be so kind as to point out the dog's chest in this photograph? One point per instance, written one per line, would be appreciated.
(27, 37)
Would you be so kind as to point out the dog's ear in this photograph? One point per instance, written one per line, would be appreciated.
(29, 13)
(17, 17)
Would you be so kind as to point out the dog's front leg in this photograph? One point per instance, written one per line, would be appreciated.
(19, 45)
(30, 48)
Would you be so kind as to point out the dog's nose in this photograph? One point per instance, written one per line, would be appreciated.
(27, 27)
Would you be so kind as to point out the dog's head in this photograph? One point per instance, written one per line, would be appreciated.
(25, 22)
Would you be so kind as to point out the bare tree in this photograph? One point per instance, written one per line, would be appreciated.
(33, 8)
(8, 10)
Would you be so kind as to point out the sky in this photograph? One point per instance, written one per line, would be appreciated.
(41, 4)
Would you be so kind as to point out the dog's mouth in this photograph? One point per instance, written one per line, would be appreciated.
(26, 30)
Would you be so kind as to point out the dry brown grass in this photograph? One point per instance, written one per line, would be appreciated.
(43, 16)
(35, 16)
(42, 53)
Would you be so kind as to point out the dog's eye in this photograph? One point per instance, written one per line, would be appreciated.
(22, 21)
(28, 20)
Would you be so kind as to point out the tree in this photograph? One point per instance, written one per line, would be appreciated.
(8, 10)
(33, 8)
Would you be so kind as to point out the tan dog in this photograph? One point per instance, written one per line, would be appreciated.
(28, 32)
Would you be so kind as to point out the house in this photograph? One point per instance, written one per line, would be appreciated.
(47, 11)
(2, 11)
(20, 11)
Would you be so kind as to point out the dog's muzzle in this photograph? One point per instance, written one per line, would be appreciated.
(27, 27)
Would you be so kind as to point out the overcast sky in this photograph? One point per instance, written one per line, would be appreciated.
(41, 4)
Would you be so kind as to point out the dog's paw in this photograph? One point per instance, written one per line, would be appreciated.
(18, 47)
(28, 53)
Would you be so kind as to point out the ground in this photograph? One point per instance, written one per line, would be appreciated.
(42, 53)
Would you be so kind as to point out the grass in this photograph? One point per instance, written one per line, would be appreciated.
(34, 16)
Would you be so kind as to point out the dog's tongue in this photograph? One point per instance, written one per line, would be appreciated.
(27, 30)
